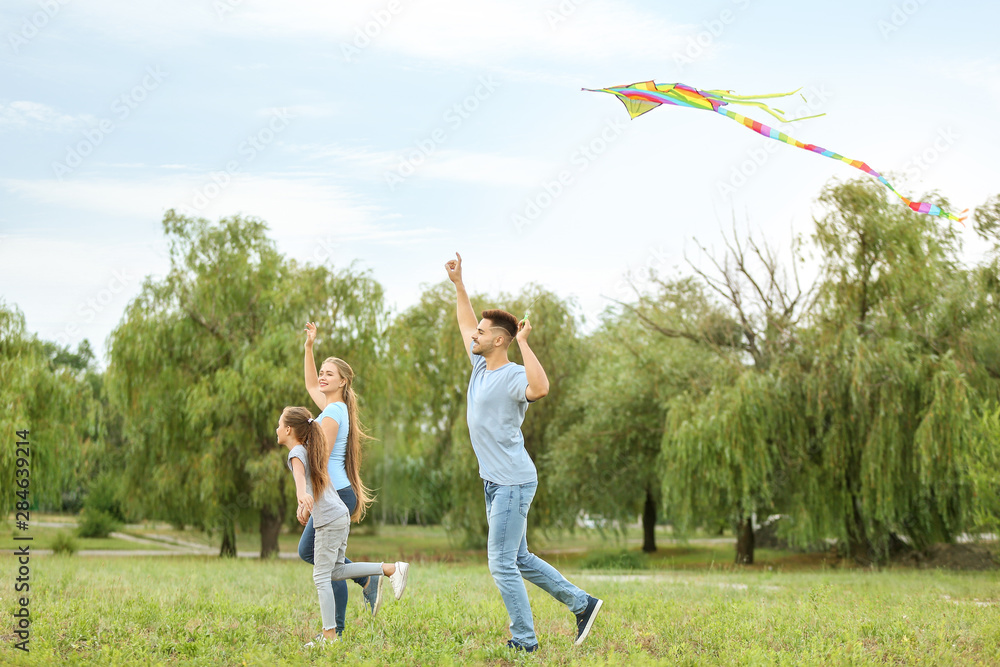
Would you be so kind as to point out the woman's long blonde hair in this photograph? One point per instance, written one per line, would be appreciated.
(355, 434)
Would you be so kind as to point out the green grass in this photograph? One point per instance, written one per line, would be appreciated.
(211, 611)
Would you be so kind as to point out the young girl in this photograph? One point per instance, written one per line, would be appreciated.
(332, 391)
(307, 455)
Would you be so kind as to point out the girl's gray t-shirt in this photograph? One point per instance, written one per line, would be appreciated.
(327, 507)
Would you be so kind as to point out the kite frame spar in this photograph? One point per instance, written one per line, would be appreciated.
(639, 98)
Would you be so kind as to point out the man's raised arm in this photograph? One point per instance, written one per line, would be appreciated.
(467, 321)
(538, 382)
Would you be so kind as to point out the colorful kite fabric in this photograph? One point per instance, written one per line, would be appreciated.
(642, 97)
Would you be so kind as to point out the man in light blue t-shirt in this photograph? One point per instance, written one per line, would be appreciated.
(499, 394)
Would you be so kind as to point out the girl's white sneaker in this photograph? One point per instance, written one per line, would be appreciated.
(398, 578)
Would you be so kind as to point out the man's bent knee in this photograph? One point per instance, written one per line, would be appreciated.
(502, 568)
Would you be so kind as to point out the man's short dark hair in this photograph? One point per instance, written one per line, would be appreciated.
(502, 319)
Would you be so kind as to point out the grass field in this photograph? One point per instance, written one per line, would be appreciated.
(685, 605)
(209, 611)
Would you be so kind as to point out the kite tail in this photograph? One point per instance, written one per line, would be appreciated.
(771, 133)
(727, 97)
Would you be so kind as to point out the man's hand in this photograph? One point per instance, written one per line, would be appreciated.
(454, 269)
(310, 333)
(302, 515)
(523, 329)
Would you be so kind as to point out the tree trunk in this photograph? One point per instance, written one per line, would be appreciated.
(859, 546)
(228, 549)
(270, 528)
(744, 542)
(649, 524)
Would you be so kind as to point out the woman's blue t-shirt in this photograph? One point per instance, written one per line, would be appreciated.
(338, 473)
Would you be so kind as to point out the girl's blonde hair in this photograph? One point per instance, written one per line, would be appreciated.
(308, 432)
(355, 434)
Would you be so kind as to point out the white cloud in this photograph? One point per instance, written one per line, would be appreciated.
(296, 205)
(487, 32)
(983, 74)
(488, 168)
(440, 164)
(22, 115)
(503, 31)
(78, 289)
(358, 156)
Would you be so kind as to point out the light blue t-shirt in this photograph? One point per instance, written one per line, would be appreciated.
(327, 507)
(496, 408)
(338, 473)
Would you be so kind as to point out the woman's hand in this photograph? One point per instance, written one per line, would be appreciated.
(302, 515)
(310, 333)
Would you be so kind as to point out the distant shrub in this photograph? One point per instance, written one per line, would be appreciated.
(96, 523)
(104, 494)
(63, 543)
(622, 560)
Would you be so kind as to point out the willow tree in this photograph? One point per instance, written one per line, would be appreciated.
(48, 391)
(747, 308)
(728, 452)
(428, 466)
(415, 458)
(890, 409)
(204, 360)
(607, 440)
(983, 345)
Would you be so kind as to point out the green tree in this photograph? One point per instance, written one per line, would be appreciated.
(747, 309)
(204, 360)
(889, 411)
(428, 470)
(607, 440)
(415, 460)
(47, 390)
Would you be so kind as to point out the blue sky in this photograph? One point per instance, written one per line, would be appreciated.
(392, 134)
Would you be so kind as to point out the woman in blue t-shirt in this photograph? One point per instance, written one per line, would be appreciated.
(331, 389)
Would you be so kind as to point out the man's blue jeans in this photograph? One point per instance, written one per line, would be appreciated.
(507, 549)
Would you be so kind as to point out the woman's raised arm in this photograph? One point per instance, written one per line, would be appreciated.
(309, 364)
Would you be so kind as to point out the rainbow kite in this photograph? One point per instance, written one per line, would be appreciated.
(642, 97)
